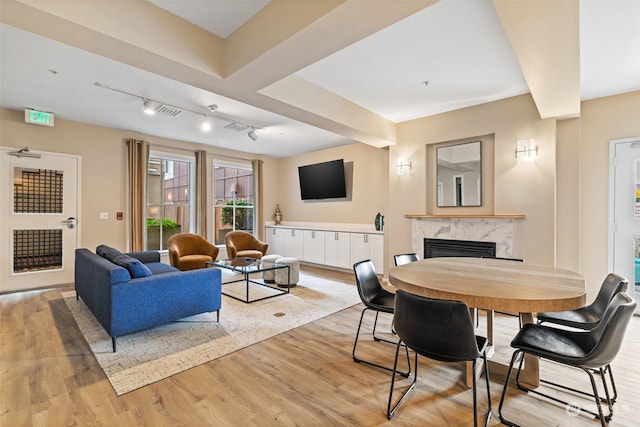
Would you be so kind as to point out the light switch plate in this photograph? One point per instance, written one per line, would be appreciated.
(104, 215)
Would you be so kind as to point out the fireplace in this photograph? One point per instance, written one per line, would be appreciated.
(459, 248)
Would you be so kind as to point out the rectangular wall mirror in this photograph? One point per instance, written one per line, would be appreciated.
(459, 175)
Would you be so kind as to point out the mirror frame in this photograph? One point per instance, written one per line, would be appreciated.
(477, 170)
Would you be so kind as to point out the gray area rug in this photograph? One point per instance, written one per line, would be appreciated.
(154, 354)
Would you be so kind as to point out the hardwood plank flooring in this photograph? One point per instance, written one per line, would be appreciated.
(305, 377)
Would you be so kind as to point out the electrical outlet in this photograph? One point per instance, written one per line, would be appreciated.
(104, 215)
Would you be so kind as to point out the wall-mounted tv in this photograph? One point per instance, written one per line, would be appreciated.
(322, 180)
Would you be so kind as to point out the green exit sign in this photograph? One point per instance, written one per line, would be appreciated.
(38, 117)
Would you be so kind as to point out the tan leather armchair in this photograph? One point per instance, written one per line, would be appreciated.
(242, 244)
(188, 251)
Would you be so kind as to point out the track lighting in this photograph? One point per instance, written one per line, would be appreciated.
(148, 107)
(205, 125)
(153, 106)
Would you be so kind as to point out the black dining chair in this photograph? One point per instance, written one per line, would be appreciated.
(377, 299)
(583, 349)
(440, 330)
(587, 317)
(402, 259)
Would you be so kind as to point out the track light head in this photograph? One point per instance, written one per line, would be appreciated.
(205, 125)
(252, 134)
(148, 106)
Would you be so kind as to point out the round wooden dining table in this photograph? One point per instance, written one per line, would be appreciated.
(494, 285)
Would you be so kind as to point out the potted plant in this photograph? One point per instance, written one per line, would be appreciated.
(169, 228)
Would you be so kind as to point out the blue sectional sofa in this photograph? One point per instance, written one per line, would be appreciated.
(135, 291)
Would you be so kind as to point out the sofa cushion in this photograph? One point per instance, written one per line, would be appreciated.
(135, 267)
(159, 268)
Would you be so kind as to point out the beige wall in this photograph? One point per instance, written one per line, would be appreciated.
(602, 120)
(367, 186)
(103, 167)
(527, 189)
(568, 199)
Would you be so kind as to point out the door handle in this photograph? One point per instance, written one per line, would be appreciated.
(71, 222)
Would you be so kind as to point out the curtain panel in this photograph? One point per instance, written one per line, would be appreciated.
(257, 185)
(201, 193)
(137, 163)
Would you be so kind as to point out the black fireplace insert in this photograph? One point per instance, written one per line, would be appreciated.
(434, 248)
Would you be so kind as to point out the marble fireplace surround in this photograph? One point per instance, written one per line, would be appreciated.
(485, 228)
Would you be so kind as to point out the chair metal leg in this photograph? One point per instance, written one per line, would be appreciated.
(503, 420)
(604, 419)
(355, 344)
(607, 369)
(486, 377)
(391, 411)
(379, 339)
(603, 375)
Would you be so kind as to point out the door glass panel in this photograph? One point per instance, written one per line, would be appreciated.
(637, 264)
(37, 250)
(37, 191)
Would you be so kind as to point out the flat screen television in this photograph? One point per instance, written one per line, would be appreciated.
(322, 180)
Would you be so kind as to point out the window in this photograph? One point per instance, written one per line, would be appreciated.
(234, 198)
(169, 198)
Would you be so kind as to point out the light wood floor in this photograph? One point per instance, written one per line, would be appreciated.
(306, 377)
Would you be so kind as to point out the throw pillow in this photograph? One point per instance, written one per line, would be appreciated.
(108, 252)
(135, 267)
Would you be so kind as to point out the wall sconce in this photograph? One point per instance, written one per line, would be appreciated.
(404, 166)
(526, 151)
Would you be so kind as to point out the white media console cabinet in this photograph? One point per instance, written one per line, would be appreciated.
(333, 245)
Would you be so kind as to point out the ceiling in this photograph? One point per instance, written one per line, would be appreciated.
(308, 75)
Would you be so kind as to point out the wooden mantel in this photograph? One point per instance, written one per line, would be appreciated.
(503, 216)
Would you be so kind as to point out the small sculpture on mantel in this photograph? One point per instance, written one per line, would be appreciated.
(278, 215)
(379, 223)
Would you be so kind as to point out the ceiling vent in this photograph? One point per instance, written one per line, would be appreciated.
(168, 111)
(236, 126)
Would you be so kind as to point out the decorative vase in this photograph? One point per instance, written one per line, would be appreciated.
(278, 215)
(379, 222)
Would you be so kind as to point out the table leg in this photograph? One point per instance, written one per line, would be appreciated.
(530, 375)
(490, 350)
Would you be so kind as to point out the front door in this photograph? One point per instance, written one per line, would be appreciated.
(625, 212)
(38, 218)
